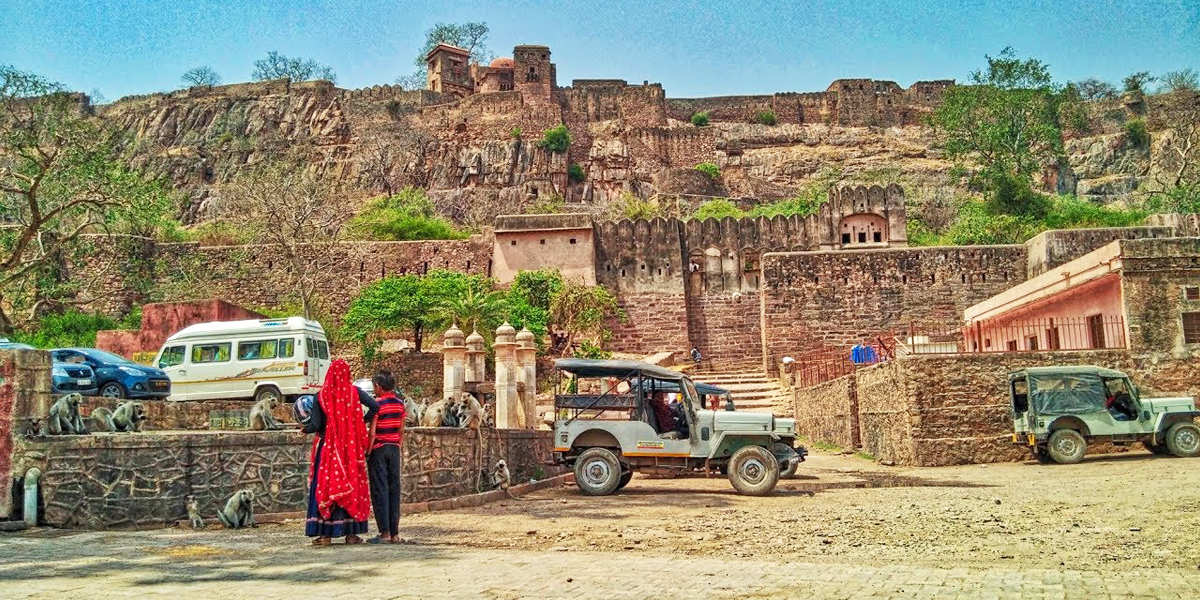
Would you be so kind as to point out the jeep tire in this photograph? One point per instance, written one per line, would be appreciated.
(626, 477)
(790, 470)
(1066, 446)
(1183, 439)
(753, 470)
(597, 472)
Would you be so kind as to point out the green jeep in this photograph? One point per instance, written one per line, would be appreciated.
(1057, 410)
(606, 428)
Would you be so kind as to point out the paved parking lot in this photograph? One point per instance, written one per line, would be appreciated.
(1112, 527)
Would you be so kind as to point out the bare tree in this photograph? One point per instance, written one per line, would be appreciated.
(201, 76)
(278, 66)
(1094, 89)
(1180, 81)
(59, 179)
(302, 217)
(468, 36)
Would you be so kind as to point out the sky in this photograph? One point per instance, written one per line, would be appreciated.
(122, 47)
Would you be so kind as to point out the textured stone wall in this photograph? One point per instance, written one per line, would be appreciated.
(1051, 249)
(1153, 280)
(725, 327)
(251, 276)
(828, 412)
(811, 300)
(655, 322)
(128, 480)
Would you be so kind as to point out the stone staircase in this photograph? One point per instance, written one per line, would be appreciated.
(752, 389)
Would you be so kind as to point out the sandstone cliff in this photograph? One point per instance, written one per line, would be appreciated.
(478, 157)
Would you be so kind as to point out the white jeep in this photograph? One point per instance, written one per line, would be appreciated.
(614, 430)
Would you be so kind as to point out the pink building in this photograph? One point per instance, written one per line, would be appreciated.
(1076, 306)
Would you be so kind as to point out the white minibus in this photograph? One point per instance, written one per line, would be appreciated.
(257, 359)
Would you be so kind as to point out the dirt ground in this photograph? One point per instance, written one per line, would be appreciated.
(1129, 510)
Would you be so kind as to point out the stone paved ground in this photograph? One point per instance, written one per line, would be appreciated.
(1113, 527)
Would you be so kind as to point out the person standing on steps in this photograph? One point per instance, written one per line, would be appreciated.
(696, 358)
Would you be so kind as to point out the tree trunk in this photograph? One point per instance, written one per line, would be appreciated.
(417, 337)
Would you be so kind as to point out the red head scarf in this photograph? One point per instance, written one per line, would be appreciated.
(343, 476)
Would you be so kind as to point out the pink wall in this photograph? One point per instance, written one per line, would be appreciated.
(160, 321)
(864, 225)
(1067, 313)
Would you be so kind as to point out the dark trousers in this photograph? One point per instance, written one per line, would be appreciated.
(383, 469)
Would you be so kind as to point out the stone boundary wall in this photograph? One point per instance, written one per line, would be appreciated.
(836, 299)
(142, 480)
(655, 322)
(725, 328)
(953, 409)
(826, 412)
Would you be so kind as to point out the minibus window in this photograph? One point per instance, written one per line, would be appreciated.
(171, 356)
(311, 346)
(257, 349)
(287, 347)
(323, 349)
(210, 353)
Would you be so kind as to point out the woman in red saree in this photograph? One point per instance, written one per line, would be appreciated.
(338, 499)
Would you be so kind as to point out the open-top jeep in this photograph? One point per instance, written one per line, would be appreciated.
(610, 423)
(1057, 410)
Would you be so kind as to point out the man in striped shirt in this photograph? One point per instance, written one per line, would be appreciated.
(383, 463)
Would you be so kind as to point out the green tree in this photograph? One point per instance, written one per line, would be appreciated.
(62, 175)
(278, 66)
(629, 206)
(575, 173)
(556, 139)
(1008, 122)
(718, 208)
(765, 117)
(201, 76)
(404, 216)
(1135, 83)
(580, 311)
(392, 304)
(700, 119)
(475, 308)
(528, 300)
(710, 169)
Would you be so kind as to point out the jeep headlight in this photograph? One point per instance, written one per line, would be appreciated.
(58, 372)
(132, 371)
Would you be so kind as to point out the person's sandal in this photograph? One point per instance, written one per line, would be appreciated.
(321, 541)
(378, 540)
(353, 539)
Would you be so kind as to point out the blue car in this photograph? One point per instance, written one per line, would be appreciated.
(65, 377)
(116, 376)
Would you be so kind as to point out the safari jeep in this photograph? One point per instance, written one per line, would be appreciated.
(1056, 411)
(606, 429)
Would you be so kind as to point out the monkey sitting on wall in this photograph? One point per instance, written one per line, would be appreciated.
(35, 429)
(413, 410)
(261, 418)
(193, 511)
(127, 417)
(64, 416)
(471, 413)
(238, 511)
(435, 414)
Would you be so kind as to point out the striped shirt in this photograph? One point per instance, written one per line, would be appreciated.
(389, 425)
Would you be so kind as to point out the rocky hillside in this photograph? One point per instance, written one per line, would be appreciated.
(478, 157)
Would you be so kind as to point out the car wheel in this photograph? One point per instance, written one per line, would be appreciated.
(785, 472)
(1066, 446)
(626, 477)
(268, 392)
(597, 472)
(753, 470)
(1183, 439)
(112, 389)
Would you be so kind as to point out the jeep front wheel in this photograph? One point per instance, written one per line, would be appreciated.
(597, 472)
(753, 470)
(1066, 446)
(1183, 439)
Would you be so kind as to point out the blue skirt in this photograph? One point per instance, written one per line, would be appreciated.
(339, 523)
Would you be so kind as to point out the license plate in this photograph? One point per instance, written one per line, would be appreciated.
(83, 382)
(161, 385)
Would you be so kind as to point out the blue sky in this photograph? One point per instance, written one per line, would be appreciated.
(692, 48)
